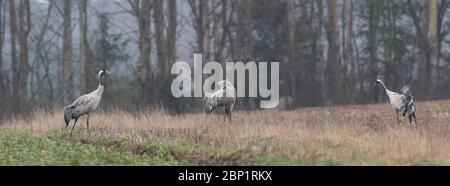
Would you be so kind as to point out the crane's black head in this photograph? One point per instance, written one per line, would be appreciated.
(103, 72)
(210, 104)
(377, 82)
(100, 75)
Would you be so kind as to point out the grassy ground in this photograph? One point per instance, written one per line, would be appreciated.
(350, 135)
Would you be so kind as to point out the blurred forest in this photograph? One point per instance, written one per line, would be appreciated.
(330, 51)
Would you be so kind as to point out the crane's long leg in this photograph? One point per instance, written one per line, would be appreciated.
(73, 127)
(413, 116)
(396, 115)
(87, 122)
(393, 114)
(226, 114)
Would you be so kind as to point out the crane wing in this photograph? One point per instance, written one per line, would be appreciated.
(84, 104)
(83, 101)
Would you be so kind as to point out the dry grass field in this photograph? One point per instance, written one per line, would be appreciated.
(342, 135)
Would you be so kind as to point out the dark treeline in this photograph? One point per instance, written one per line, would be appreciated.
(331, 51)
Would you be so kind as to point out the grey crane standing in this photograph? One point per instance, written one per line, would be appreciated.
(85, 104)
(396, 99)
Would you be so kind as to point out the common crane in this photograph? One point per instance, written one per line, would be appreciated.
(396, 99)
(85, 104)
(224, 97)
(409, 107)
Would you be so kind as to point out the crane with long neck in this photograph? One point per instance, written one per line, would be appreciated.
(85, 104)
(396, 99)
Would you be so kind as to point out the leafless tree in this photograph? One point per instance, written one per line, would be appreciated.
(66, 89)
(84, 45)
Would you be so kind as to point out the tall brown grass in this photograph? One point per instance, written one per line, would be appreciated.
(348, 135)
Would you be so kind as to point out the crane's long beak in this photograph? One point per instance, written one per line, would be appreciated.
(375, 84)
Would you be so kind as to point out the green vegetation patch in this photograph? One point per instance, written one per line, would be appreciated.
(24, 149)
(91, 149)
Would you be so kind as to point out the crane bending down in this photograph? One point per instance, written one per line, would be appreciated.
(224, 97)
(396, 99)
(85, 104)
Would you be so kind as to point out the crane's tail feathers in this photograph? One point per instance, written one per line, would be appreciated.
(70, 113)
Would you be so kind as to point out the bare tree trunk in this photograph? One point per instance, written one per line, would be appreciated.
(347, 35)
(158, 20)
(242, 41)
(343, 37)
(349, 56)
(372, 42)
(290, 79)
(141, 9)
(204, 8)
(41, 59)
(171, 38)
(24, 30)
(165, 39)
(3, 89)
(14, 62)
(334, 68)
(321, 62)
(102, 53)
(199, 9)
(66, 82)
(221, 36)
(240, 48)
(84, 46)
(432, 40)
(240, 14)
(441, 34)
(161, 47)
(200, 22)
(172, 33)
(144, 40)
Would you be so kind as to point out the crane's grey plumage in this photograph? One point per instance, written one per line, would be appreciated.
(409, 107)
(224, 97)
(85, 104)
(396, 99)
